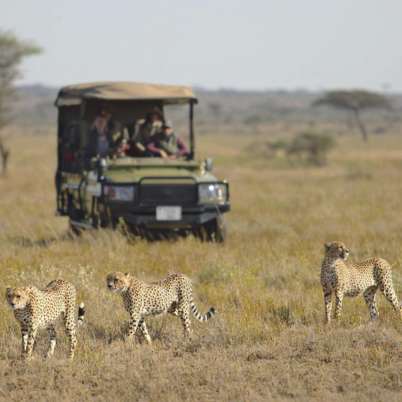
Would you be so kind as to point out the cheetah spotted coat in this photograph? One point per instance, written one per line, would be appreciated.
(351, 280)
(171, 295)
(34, 309)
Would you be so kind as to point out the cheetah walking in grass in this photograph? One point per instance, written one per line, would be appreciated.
(170, 295)
(350, 280)
(34, 309)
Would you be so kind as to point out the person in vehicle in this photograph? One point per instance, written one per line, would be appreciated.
(70, 145)
(100, 138)
(167, 144)
(121, 148)
(145, 130)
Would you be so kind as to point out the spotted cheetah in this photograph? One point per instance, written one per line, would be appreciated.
(35, 309)
(171, 295)
(353, 279)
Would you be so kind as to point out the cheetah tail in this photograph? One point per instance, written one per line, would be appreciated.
(211, 312)
(81, 314)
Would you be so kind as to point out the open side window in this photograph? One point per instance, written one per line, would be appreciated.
(70, 152)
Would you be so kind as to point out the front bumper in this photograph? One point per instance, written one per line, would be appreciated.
(146, 216)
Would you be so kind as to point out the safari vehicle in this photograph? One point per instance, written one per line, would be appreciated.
(152, 197)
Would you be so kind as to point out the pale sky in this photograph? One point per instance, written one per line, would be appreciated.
(253, 44)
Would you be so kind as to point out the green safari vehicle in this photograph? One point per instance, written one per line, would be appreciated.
(151, 196)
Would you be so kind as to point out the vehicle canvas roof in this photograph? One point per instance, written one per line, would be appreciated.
(131, 91)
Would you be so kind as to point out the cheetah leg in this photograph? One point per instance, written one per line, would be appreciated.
(388, 290)
(185, 319)
(24, 338)
(338, 304)
(31, 340)
(144, 331)
(133, 324)
(69, 323)
(72, 337)
(52, 340)
(173, 309)
(369, 297)
(328, 305)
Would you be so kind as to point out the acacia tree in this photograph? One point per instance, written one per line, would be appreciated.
(354, 101)
(12, 52)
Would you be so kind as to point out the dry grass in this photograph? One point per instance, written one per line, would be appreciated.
(268, 341)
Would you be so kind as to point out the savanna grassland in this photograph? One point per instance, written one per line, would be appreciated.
(268, 341)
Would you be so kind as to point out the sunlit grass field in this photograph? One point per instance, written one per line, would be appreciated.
(268, 341)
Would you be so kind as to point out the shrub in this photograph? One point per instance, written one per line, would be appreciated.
(313, 147)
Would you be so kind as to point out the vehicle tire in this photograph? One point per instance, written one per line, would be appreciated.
(214, 230)
(75, 230)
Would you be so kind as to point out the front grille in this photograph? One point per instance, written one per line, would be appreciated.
(168, 194)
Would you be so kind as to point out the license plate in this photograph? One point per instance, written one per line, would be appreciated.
(168, 213)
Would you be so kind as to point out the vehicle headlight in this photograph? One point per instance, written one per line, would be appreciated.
(212, 193)
(118, 193)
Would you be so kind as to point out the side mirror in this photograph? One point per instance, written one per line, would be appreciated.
(209, 165)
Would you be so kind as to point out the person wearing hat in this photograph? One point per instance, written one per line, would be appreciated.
(167, 144)
(100, 134)
(145, 130)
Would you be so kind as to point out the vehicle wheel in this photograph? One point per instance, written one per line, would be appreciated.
(214, 230)
(105, 218)
(75, 230)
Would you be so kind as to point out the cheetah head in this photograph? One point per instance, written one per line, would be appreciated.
(336, 249)
(117, 281)
(17, 298)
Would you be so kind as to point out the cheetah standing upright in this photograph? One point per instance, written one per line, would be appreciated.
(170, 295)
(353, 279)
(35, 309)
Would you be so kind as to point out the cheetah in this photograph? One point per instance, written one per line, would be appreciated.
(172, 295)
(34, 309)
(353, 279)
